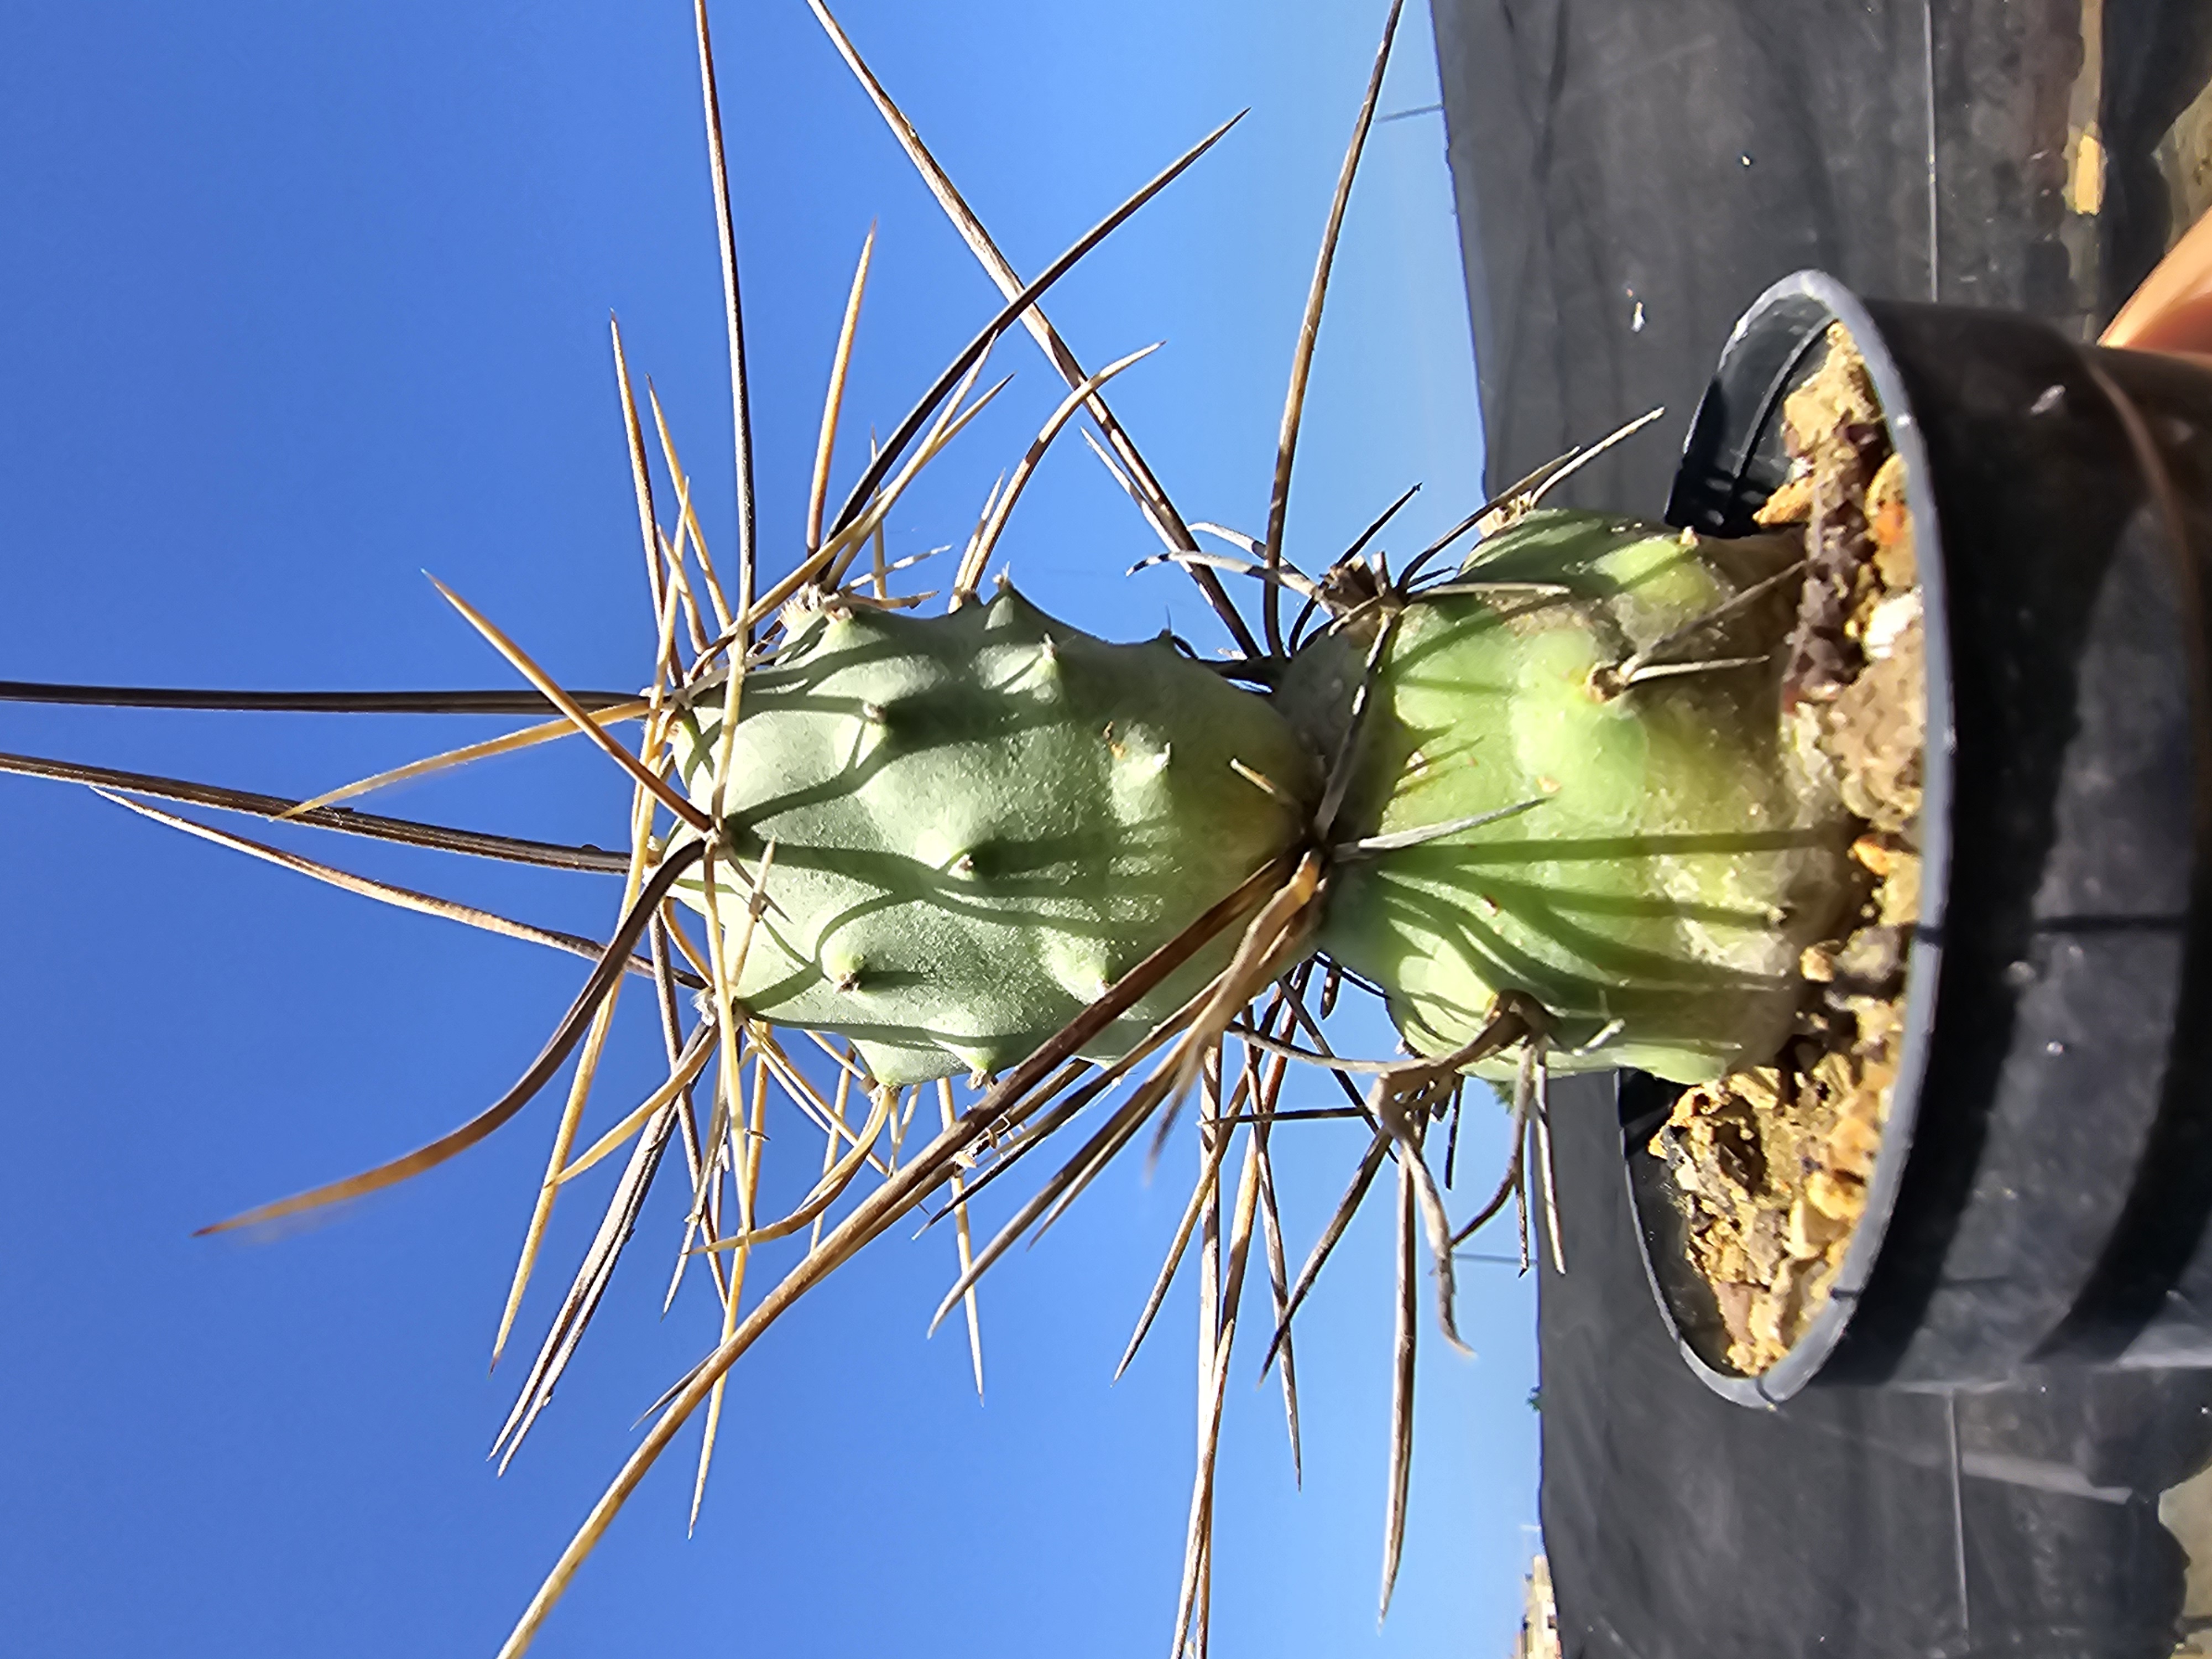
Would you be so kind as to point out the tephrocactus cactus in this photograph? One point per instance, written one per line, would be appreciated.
(1543, 805)
(984, 819)
(981, 820)
(1656, 856)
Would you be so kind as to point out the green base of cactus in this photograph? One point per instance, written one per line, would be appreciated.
(1657, 897)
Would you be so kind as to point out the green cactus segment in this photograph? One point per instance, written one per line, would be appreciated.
(1658, 897)
(981, 821)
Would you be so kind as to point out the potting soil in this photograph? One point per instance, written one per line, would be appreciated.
(1771, 1164)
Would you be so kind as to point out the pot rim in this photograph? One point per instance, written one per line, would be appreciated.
(1708, 453)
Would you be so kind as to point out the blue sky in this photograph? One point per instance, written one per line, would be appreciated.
(300, 301)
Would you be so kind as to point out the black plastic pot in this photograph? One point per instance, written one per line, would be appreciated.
(2044, 1186)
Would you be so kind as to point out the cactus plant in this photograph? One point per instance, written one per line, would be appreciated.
(982, 820)
(1666, 853)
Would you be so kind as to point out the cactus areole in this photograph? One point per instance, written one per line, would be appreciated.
(979, 820)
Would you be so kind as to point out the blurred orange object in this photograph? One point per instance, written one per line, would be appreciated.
(2171, 311)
